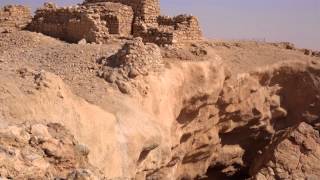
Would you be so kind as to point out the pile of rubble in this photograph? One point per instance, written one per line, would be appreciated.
(133, 60)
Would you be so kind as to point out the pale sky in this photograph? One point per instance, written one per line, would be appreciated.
(296, 21)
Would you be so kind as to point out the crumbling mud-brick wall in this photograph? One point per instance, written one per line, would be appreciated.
(154, 34)
(145, 10)
(94, 22)
(118, 17)
(161, 30)
(14, 17)
(185, 27)
(99, 20)
(170, 30)
(70, 24)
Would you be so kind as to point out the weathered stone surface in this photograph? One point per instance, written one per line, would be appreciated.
(42, 152)
(16, 17)
(293, 154)
(169, 30)
(192, 117)
(93, 22)
(99, 20)
(134, 59)
(146, 10)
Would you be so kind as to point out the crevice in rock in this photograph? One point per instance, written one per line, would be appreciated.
(216, 173)
(143, 155)
(299, 103)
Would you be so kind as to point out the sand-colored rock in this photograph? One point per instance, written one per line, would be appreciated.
(43, 152)
(293, 154)
(93, 23)
(134, 59)
(13, 17)
(99, 21)
(138, 111)
(118, 127)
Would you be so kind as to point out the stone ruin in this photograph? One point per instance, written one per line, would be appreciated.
(101, 20)
(170, 30)
(134, 60)
(92, 22)
(14, 17)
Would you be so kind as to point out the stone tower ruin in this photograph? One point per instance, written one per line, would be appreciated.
(146, 10)
(101, 20)
(14, 17)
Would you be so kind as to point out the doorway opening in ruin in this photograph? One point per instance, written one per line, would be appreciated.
(113, 24)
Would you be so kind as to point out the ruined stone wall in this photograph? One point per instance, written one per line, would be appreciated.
(98, 20)
(92, 22)
(150, 11)
(118, 17)
(170, 30)
(185, 27)
(146, 10)
(156, 35)
(70, 24)
(14, 16)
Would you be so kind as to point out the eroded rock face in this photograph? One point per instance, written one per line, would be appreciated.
(293, 154)
(231, 132)
(140, 127)
(263, 110)
(226, 124)
(195, 119)
(43, 152)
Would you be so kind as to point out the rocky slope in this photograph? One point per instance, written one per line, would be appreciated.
(43, 152)
(208, 109)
